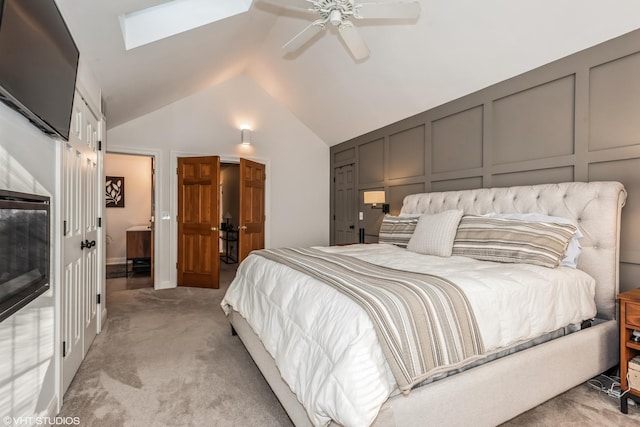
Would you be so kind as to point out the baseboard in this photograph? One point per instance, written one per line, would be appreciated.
(53, 408)
(50, 417)
(113, 261)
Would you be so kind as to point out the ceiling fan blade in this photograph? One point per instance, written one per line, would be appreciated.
(303, 36)
(297, 5)
(353, 40)
(399, 10)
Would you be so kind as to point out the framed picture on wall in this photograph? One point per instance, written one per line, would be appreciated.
(114, 187)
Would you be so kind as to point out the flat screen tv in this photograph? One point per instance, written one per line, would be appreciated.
(38, 63)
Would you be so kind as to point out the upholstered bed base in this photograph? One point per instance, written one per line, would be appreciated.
(484, 396)
(499, 390)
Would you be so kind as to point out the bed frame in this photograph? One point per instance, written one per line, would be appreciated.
(504, 388)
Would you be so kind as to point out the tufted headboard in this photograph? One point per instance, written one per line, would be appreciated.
(594, 206)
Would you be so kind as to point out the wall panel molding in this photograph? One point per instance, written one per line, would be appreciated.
(573, 119)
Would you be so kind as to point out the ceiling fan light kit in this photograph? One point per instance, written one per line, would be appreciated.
(338, 13)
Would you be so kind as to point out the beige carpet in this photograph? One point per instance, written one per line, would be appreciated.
(167, 358)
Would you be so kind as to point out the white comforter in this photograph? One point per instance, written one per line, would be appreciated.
(327, 350)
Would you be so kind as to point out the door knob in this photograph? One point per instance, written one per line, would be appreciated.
(244, 227)
(87, 244)
(214, 228)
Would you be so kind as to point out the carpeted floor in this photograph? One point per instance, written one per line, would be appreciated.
(167, 358)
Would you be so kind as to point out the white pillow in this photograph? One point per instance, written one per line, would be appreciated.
(573, 250)
(434, 234)
(409, 215)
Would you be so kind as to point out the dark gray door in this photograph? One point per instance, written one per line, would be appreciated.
(345, 205)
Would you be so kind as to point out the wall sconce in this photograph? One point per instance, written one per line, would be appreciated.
(245, 136)
(373, 198)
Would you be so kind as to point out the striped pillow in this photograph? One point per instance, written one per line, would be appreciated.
(512, 240)
(397, 230)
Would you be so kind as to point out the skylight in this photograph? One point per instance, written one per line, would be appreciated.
(174, 17)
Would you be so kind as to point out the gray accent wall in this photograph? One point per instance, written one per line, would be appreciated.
(575, 119)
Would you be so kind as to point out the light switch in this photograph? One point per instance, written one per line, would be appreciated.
(361, 216)
(166, 215)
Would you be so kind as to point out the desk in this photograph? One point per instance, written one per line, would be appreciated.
(139, 249)
(230, 239)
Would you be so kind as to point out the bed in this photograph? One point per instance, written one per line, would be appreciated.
(488, 394)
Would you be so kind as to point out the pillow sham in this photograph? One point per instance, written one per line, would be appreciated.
(512, 240)
(434, 234)
(573, 250)
(397, 230)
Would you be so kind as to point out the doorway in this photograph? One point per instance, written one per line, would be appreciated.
(229, 213)
(129, 220)
(345, 207)
(203, 230)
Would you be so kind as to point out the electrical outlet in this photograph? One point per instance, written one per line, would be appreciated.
(361, 216)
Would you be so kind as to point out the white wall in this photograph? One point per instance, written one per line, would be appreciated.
(208, 123)
(27, 363)
(136, 171)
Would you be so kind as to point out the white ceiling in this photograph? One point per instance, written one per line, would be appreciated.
(455, 48)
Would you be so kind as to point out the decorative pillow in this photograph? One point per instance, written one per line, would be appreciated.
(434, 234)
(512, 240)
(397, 230)
(573, 250)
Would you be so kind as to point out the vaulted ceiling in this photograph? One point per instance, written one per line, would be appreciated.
(456, 47)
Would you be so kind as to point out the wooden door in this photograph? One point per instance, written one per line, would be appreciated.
(251, 227)
(80, 258)
(344, 206)
(198, 221)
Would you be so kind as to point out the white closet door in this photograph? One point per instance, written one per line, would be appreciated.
(80, 267)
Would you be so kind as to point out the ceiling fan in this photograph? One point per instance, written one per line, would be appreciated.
(338, 13)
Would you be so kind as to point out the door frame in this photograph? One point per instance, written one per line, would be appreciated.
(157, 194)
(224, 158)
